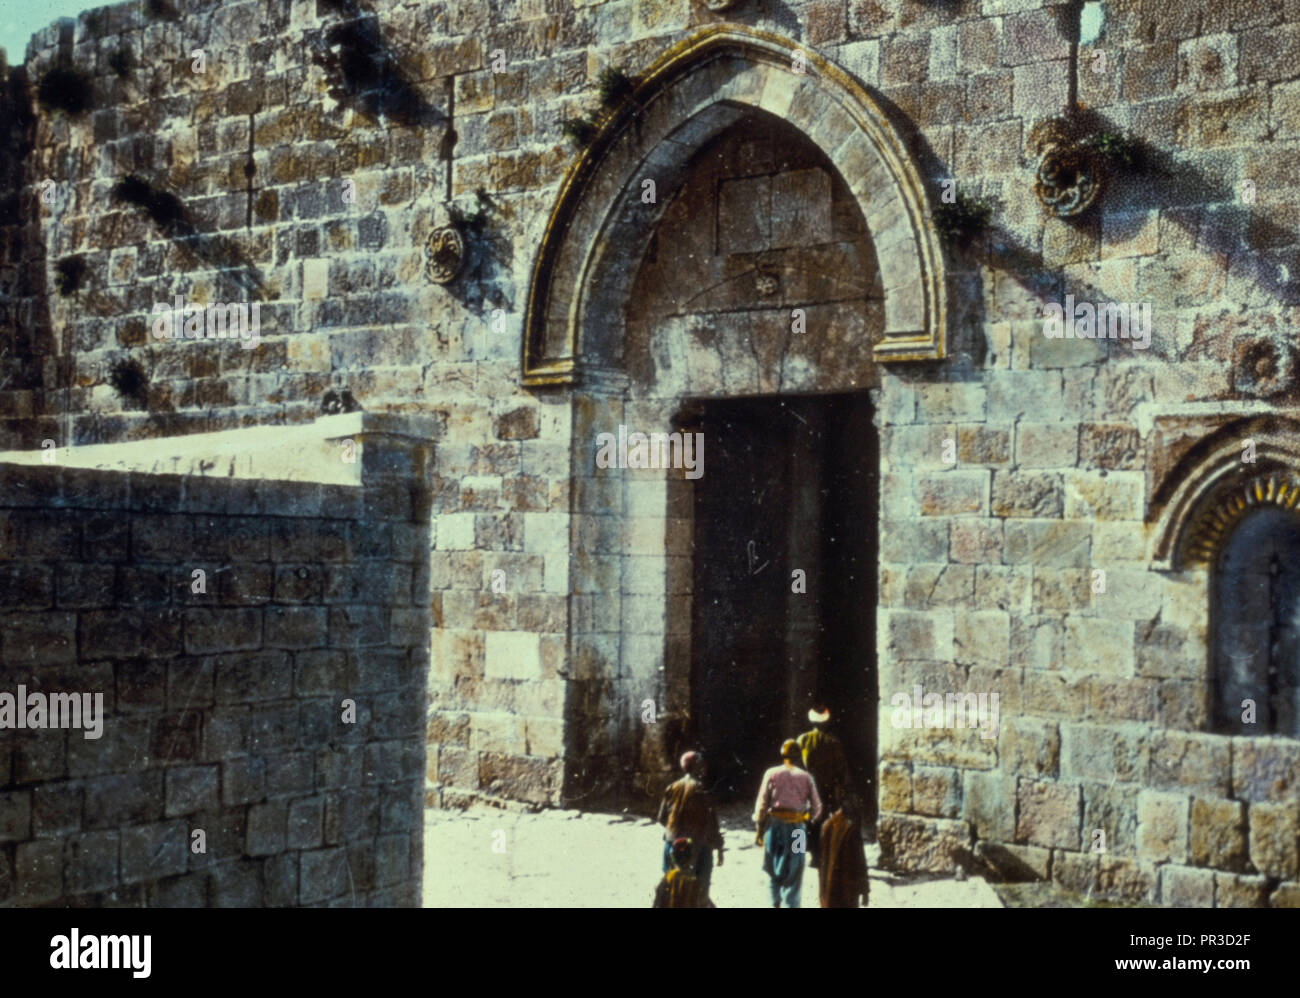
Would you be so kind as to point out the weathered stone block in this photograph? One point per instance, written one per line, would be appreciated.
(1020, 494)
(1184, 887)
(915, 541)
(15, 816)
(191, 789)
(1217, 834)
(1110, 819)
(91, 862)
(511, 655)
(896, 787)
(1099, 646)
(1048, 814)
(1047, 542)
(266, 829)
(1047, 445)
(981, 638)
(953, 493)
(1029, 746)
(1162, 827)
(1075, 871)
(1275, 838)
(936, 791)
(1286, 896)
(1126, 879)
(1117, 496)
(38, 871)
(520, 777)
(1233, 890)
(150, 852)
(976, 541)
(1182, 760)
(1103, 752)
(999, 588)
(1014, 864)
(1265, 769)
(924, 845)
(989, 804)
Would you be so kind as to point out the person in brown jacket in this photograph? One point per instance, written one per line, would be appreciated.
(688, 811)
(824, 759)
(842, 875)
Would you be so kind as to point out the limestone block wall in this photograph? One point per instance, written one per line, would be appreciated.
(1062, 447)
(224, 695)
(991, 558)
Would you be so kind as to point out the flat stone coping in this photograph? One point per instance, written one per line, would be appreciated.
(304, 452)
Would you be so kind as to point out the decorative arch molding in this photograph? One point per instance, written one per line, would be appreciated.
(1214, 492)
(582, 273)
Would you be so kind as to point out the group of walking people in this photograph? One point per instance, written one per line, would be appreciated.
(800, 813)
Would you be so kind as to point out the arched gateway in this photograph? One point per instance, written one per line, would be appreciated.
(743, 298)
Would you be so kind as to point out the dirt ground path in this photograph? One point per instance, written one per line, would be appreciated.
(573, 859)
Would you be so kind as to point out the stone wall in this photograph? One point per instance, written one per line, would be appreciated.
(224, 695)
(1067, 451)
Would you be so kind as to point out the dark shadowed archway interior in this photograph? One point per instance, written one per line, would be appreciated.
(784, 581)
(1255, 625)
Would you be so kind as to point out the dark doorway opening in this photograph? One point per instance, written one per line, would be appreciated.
(1255, 626)
(789, 485)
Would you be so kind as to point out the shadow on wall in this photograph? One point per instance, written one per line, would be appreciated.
(364, 70)
(26, 333)
(485, 281)
(1215, 217)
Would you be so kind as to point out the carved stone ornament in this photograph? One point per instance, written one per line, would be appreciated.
(444, 253)
(768, 283)
(1222, 511)
(1070, 175)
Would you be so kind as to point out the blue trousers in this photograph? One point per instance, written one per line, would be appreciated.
(703, 864)
(785, 851)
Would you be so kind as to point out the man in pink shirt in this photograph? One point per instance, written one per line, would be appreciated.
(787, 801)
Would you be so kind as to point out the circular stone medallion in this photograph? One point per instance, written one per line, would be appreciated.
(445, 253)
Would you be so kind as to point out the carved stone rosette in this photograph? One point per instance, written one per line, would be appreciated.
(1070, 175)
(444, 254)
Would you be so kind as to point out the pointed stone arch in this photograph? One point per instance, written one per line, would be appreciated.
(585, 263)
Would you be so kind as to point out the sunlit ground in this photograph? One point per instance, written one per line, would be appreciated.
(563, 859)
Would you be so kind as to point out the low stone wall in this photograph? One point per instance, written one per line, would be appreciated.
(261, 652)
(1113, 808)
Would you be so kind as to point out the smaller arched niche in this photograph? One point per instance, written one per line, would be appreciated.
(1255, 623)
(1243, 465)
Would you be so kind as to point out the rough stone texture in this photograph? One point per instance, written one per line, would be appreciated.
(210, 722)
(1217, 834)
(1183, 887)
(1237, 891)
(1162, 827)
(928, 845)
(1275, 839)
(537, 674)
(1048, 814)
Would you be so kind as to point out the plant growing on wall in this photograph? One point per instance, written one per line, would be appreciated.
(130, 382)
(614, 86)
(1122, 152)
(71, 271)
(963, 219)
(121, 62)
(579, 131)
(65, 89)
